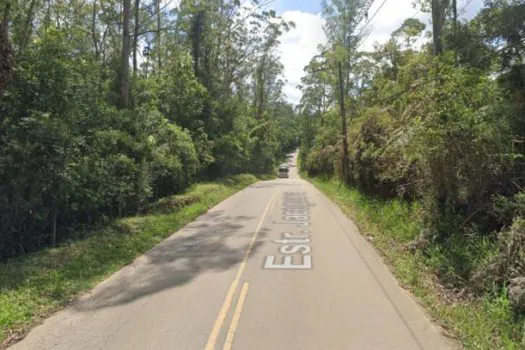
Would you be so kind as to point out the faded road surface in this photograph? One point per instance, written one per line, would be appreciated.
(276, 266)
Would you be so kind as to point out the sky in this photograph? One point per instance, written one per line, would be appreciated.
(300, 44)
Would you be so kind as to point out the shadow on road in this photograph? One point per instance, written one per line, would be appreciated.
(215, 242)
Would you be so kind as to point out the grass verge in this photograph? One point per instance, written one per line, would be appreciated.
(34, 285)
(482, 323)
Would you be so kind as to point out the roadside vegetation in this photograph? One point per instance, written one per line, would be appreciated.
(391, 225)
(36, 284)
(118, 119)
(106, 106)
(423, 141)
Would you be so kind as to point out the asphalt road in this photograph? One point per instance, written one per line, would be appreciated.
(276, 266)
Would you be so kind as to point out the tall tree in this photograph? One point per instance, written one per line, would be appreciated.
(94, 33)
(124, 64)
(439, 8)
(5, 49)
(159, 34)
(344, 124)
(197, 35)
(28, 26)
(409, 30)
(136, 27)
(342, 19)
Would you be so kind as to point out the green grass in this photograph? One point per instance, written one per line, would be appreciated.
(34, 285)
(483, 323)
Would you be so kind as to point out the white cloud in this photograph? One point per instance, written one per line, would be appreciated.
(298, 46)
(388, 19)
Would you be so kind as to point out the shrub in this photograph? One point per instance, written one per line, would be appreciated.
(507, 265)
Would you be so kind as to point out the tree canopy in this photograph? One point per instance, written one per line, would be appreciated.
(441, 124)
(109, 104)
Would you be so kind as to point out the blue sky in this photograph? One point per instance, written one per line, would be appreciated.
(299, 45)
(314, 6)
(311, 6)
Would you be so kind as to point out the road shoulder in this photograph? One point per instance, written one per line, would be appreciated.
(428, 330)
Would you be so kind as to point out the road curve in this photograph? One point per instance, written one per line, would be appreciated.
(276, 266)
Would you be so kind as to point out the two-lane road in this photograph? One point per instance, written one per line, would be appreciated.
(276, 266)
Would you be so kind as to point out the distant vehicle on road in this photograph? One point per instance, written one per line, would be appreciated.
(283, 171)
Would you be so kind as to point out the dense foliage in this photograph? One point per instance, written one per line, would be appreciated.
(86, 136)
(445, 129)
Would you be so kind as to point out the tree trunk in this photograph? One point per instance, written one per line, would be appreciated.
(227, 77)
(54, 228)
(218, 49)
(136, 36)
(197, 28)
(47, 18)
(94, 30)
(344, 127)
(28, 28)
(436, 29)
(455, 15)
(438, 19)
(159, 37)
(124, 64)
(5, 50)
(456, 37)
(147, 66)
(259, 88)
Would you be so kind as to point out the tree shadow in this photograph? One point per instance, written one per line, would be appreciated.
(215, 242)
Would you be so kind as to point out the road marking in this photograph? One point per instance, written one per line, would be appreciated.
(236, 317)
(295, 211)
(276, 195)
(212, 339)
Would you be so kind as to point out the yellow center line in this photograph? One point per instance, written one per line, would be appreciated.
(236, 317)
(273, 201)
(212, 339)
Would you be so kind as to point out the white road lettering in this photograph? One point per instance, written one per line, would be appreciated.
(296, 218)
(286, 241)
(289, 235)
(294, 246)
(293, 249)
(288, 263)
(292, 213)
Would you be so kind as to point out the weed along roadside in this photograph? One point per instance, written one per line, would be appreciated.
(35, 285)
(294, 246)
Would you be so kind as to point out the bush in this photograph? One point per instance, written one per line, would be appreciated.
(377, 162)
(459, 145)
(322, 155)
(507, 265)
(67, 157)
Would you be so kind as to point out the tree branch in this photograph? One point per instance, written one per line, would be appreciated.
(152, 31)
